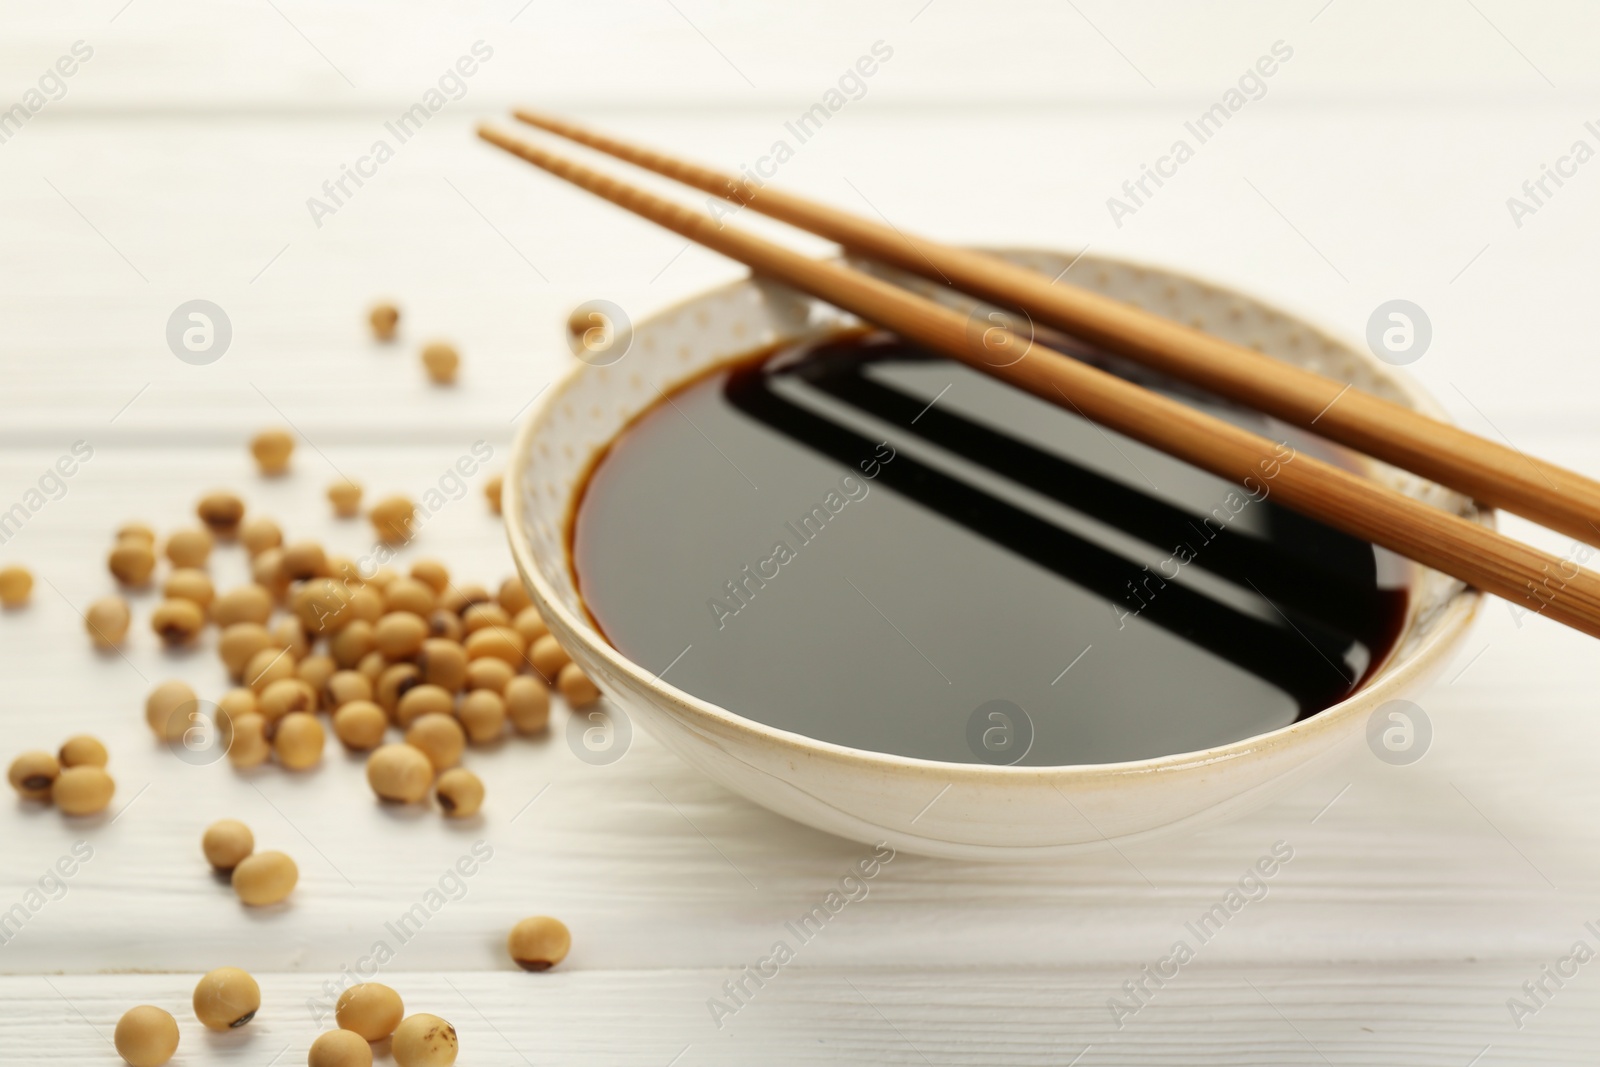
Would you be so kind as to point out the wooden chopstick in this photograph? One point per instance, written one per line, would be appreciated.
(1495, 474)
(1475, 554)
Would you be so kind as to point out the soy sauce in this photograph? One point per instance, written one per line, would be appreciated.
(869, 545)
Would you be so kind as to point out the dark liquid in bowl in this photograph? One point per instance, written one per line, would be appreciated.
(868, 545)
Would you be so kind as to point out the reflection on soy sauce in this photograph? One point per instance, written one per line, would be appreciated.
(1304, 568)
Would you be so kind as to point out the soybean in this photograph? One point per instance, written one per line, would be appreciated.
(458, 598)
(249, 746)
(239, 644)
(350, 643)
(446, 624)
(374, 666)
(345, 496)
(482, 616)
(272, 449)
(366, 605)
(420, 700)
(400, 634)
(410, 594)
(432, 572)
(530, 624)
(16, 586)
(443, 663)
(460, 793)
(549, 657)
(131, 562)
(136, 531)
(226, 843)
(82, 790)
(438, 737)
(291, 636)
(146, 1036)
(191, 584)
(360, 725)
(514, 596)
(298, 741)
(177, 622)
(33, 773)
(232, 707)
(483, 716)
(246, 603)
(399, 773)
(285, 697)
(539, 943)
(226, 999)
(392, 518)
(222, 512)
(189, 548)
(489, 673)
(303, 560)
(107, 621)
(320, 604)
(370, 1009)
(259, 534)
(500, 642)
(315, 671)
(528, 704)
(391, 680)
(576, 686)
(383, 318)
(424, 1041)
(169, 707)
(339, 1048)
(492, 489)
(81, 750)
(266, 570)
(240, 700)
(344, 686)
(442, 362)
(344, 568)
(265, 878)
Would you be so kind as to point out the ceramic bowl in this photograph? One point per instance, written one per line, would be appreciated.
(971, 811)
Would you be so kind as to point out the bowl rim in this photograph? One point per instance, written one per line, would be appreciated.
(1395, 675)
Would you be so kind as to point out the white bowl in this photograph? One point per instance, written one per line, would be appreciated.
(971, 811)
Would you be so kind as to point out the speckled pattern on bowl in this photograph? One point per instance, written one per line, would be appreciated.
(960, 810)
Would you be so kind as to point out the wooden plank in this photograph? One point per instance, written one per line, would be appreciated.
(806, 1014)
(303, 57)
(1462, 855)
(483, 252)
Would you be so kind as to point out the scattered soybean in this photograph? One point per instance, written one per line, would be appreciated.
(399, 773)
(107, 621)
(226, 999)
(265, 878)
(424, 1040)
(539, 942)
(146, 1036)
(226, 843)
(272, 449)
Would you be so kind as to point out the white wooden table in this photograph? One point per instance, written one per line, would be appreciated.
(177, 166)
